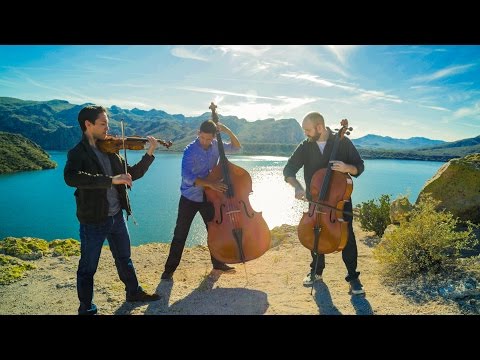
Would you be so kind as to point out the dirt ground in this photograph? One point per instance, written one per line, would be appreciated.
(270, 285)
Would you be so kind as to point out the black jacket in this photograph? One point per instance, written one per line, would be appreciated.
(84, 172)
(308, 155)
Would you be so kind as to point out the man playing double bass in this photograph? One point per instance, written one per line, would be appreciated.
(314, 154)
(199, 158)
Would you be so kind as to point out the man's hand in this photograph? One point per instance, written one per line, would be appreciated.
(299, 193)
(217, 186)
(153, 145)
(223, 128)
(122, 179)
(342, 167)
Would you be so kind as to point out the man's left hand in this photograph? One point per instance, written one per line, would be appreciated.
(153, 145)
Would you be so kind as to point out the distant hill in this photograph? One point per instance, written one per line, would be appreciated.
(53, 125)
(443, 152)
(17, 153)
(371, 141)
(471, 142)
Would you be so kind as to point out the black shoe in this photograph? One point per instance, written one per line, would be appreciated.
(167, 275)
(143, 296)
(356, 287)
(92, 310)
(224, 267)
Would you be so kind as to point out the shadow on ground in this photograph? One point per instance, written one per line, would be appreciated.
(324, 299)
(205, 300)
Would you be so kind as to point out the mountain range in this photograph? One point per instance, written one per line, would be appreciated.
(53, 125)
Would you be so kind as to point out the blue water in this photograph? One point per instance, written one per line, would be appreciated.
(40, 204)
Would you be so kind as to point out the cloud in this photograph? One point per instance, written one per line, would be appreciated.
(472, 111)
(341, 52)
(185, 53)
(7, 83)
(443, 73)
(113, 58)
(253, 50)
(415, 50)
(434, 107)
(130, 85)
(252, 110)
(362, 93)
(222, 92)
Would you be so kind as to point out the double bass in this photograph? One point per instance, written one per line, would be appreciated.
(323, 229)
(237, 233)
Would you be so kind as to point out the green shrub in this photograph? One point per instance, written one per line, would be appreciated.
(26, 248)
(12, 269)
(428, 243)
(375, 216)
(67, 247)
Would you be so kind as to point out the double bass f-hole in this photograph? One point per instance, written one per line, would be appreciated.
(231, 212)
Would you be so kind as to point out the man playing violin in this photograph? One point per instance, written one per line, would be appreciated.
(199, 158)
(313, 154)
(101, 197)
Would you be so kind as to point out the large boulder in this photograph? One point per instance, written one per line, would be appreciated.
(400, 210)
(457, 186)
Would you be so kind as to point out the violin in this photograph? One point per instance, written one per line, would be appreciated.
(323, 229)
(113, 144)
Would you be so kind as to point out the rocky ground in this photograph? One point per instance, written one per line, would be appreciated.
(271, 285)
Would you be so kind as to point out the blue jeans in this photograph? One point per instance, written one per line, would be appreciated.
(92, 237)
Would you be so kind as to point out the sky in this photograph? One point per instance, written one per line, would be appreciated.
(390, 90)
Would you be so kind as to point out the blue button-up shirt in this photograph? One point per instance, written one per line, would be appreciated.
(197, 163)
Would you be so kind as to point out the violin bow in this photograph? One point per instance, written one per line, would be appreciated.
(330, 207)
(126, 170)
(123, 142)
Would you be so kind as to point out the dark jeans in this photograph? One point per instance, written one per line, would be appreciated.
(349, 257)
(92, 237)
(187, 210)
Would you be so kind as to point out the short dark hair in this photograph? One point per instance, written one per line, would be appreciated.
(90, 113)
(209, 127)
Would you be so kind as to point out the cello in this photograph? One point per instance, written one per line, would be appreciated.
(237, 233)
(323, 229)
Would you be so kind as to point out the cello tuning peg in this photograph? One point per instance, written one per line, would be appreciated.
(348, 133)
(350, 128)
(336, 129)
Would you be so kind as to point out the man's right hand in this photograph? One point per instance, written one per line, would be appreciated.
(299, 193)
(218, 186)
(122, 179)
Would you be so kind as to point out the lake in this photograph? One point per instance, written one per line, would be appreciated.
(40, 204)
